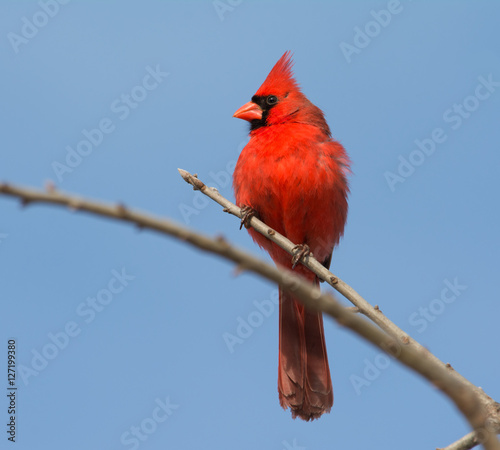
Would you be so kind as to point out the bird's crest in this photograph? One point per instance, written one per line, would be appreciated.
(280, 80)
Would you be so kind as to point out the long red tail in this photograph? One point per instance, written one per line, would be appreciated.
(304, 382)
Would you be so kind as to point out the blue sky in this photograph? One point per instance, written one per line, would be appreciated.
(121, 333)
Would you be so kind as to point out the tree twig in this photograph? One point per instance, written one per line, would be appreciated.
(465, 443)
(466, 396)
(361, 305)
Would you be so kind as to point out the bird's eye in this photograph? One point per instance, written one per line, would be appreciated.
(272, 100)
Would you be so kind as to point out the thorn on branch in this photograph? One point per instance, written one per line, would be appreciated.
(271, 232)
(239, 269)
(222, 240)
(334, 280)
(437, 384)
(121, 209)
(392, 347)
(50, 187)
(342, 321)
(74, 205)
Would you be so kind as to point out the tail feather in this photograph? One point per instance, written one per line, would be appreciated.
(304, 382)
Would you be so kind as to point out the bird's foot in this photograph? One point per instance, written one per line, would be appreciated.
(247, 212)
(301, 251)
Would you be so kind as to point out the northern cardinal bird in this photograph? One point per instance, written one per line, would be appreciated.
(292, 175)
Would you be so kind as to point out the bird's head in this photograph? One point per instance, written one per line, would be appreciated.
(279, 100)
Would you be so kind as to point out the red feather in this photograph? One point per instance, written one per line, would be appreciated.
(293, 174)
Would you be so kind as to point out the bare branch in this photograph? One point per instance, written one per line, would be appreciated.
(470, 400)
(466, 443)
(360, 304)
(310, 262)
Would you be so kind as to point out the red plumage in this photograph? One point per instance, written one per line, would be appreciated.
(293, 175)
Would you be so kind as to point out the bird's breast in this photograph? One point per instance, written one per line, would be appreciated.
(295, 176)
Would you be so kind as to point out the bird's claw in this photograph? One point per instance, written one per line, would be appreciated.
(247, 212)
(301, 251)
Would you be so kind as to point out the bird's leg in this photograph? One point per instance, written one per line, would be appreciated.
(247, 212)
(301, 251)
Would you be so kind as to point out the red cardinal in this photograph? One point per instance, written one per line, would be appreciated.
(292, 175)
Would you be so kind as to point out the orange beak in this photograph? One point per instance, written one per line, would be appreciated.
(249, 111)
